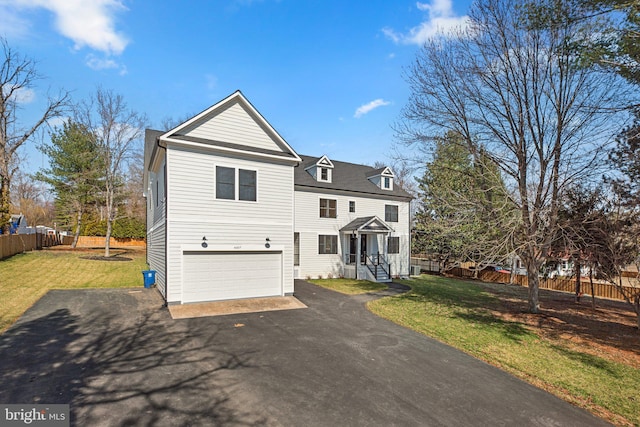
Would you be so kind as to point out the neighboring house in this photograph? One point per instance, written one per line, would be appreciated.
(18, 225)
(564, 267)
(234, 212)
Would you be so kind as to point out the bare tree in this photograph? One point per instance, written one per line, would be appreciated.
(30, 199)
(515, 90)
(18, 75)
(118, 129)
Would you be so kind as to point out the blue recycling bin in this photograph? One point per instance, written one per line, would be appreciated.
(149, 277)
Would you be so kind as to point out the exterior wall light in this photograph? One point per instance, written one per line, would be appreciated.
(204, 242)
(267, 244)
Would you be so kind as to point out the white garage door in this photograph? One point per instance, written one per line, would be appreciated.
(212, 276)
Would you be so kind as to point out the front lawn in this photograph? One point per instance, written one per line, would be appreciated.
(25, 278)
(470, 317)
(349, 286)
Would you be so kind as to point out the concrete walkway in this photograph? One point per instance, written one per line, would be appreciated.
(118, 358)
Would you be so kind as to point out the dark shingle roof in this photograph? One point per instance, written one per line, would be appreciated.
(348, 177)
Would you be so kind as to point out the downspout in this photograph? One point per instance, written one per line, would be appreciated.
(166, 221)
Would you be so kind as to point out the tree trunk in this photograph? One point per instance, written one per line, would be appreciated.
(534, 283)
(77, 233)
(593, 295)
(512, 274)
(108, 238)
(5, 198)
(578, 280)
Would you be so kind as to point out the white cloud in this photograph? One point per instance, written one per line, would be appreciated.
(97, 64)
(12, 24)
(20, 95)
(441, 20)
(25, 96)
(364, 109)
(89, 23)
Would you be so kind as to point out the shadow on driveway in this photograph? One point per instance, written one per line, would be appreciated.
(118, 358)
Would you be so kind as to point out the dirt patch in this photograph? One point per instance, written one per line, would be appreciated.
(107, 258)
(609, 330)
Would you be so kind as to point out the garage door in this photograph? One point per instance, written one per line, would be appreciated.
(212, 276)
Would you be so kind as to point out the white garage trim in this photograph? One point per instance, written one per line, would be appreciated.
(223, 273)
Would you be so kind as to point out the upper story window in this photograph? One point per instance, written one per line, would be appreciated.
(321, 170)
(226, 184)
(382, 178)
(386, 183)
(328, 208)
(352, 206)
(247, 182)
(391, 213)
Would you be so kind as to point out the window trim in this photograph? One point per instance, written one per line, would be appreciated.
(386, 182)
(388, 217)
(296, 245)
(254, 186)
(328, 209)
(333, 244)
(324, 174)
(236, 184)
(396, 246)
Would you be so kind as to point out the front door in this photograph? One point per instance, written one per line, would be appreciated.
(353, 248)
(363, 249)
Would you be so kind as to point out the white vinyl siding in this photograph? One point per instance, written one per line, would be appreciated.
(310, 226)
(155, 254)
(194, 212)
(233, 125)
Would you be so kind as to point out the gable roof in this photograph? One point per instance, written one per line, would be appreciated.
(348, 177)
(383, 171)
(367, 223)
(232, 125)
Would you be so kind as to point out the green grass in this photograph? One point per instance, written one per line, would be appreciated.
(349, 286)
(459, 313)
(25, 278)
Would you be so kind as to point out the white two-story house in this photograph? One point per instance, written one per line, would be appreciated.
(234, 212)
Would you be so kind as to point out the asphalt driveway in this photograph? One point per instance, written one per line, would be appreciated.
(118, 358)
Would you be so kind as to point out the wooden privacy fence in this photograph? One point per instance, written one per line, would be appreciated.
(602, 290)
(11, 244)
(98, 242)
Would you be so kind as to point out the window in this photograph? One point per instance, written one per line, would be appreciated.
(247, 183)
(352, 206)
(324, 174)
(296, 248)
(225, 183)
(328, 208)
(391, 213)
(327, 244)
(387, 182)
(393, 245)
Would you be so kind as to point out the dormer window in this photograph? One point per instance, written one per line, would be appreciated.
(321, 170)
(383, 178)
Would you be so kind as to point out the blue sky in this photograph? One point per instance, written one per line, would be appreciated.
(326, 74)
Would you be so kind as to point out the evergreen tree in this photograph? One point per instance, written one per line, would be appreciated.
(73, 172)
(460, 195)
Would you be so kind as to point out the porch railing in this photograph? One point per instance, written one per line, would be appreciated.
(378, 266)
